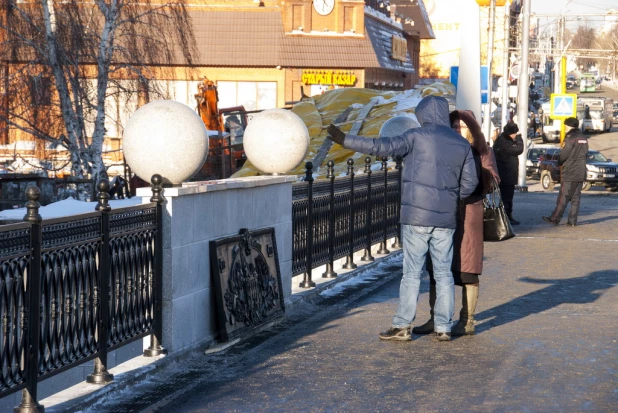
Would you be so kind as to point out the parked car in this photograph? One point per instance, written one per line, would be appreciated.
(572, 78)
(532, 160)
(600, 170)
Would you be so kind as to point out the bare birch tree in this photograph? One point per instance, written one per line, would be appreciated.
(584, 38)
(61, 60)
(608, 40)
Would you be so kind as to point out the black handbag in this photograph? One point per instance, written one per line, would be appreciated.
(496, 224)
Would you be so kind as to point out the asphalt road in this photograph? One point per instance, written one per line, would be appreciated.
(546, 339)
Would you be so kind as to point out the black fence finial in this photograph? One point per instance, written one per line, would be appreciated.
(350, 166)
(330, 172)
(103, 196)
(157, 189)
(33, 193)
(309, 172)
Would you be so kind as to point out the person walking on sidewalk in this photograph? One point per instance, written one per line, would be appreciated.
(507, 148)
(532, 125)
(572, 158)
(438, 171)
(468, 242)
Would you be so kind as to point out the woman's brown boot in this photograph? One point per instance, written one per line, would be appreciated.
(469, 297)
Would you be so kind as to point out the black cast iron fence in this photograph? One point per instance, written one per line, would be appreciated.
(336, 217)
(74, 288)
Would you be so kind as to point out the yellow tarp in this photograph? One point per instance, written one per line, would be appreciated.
(320, 111)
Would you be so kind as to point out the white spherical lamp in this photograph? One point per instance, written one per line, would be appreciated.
(397, 126)
(276, 141)
(167, 138)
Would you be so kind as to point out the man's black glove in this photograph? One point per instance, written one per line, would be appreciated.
(335, 134)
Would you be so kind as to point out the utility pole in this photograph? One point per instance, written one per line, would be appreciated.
(505, 69)
(490, 57)
(469, 83)
(4, 73)
(558, 62)
(523, 82)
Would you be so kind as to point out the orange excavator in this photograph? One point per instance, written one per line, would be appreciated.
(226, 128)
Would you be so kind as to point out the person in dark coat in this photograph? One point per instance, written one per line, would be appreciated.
(507, 148)
(438, 171)
(573, 161)
(468, 242)
(532, 124)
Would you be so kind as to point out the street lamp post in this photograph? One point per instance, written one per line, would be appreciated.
(490, 57)
(505, 71)
(523, 82)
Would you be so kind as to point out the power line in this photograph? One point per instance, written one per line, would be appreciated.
(593, 5)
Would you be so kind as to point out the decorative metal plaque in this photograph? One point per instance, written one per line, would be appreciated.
(247, 281)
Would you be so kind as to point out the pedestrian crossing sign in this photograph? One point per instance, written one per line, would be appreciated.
(563, 105)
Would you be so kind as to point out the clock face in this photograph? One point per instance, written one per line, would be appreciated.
(323, 7)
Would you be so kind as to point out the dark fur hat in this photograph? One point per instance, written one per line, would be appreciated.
(572, 122)
(453, 116)
(511, 128)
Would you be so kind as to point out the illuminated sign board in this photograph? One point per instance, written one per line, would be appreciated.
(486, 3)
(328, 77)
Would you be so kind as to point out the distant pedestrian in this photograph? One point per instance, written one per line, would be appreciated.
(439, 170)
(532, 124)
(507, 148)
(468, 241)
(572, 158)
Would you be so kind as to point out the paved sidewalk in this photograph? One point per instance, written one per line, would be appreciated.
(546, 339)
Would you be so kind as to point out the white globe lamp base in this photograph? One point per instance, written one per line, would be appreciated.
(276, 141)
(167, 138)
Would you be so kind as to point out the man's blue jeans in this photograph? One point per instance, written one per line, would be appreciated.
(416, 242)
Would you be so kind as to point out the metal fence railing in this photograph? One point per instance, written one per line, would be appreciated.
(74, 288)
(336, 217)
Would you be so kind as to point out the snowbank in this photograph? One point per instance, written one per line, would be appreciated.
(66, 208)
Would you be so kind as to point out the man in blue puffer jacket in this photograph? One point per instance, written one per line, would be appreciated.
(438, 171)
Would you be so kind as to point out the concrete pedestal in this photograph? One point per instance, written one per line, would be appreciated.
(195, 214)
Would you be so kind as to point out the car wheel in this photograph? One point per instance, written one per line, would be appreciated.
(586, 186)
(544, 138)
(546, 181)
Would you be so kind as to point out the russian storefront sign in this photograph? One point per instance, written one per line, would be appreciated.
(328, 77)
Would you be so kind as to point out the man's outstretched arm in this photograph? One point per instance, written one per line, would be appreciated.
(398, 145)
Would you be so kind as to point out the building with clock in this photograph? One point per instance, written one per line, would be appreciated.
(265, 54)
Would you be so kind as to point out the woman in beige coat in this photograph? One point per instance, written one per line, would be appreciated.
(468, 242)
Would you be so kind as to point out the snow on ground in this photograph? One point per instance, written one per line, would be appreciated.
(365, 277)
(66, 208)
